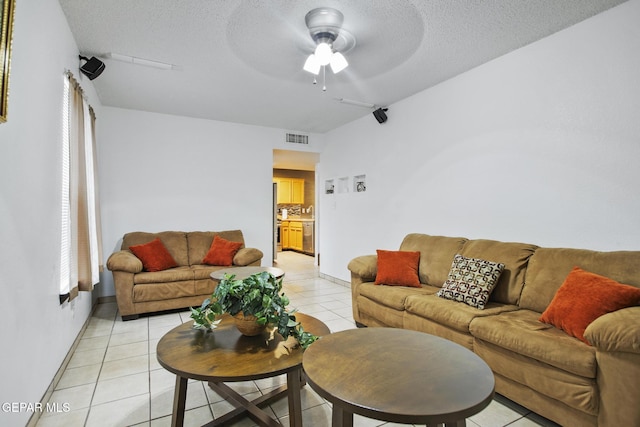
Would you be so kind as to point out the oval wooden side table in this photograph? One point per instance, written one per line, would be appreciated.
(398, 375)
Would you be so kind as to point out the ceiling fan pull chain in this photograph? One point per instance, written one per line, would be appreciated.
(324, 78)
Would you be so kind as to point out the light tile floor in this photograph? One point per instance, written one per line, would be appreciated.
(113, 378)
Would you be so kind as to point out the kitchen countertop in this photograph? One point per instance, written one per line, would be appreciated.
(293, 218)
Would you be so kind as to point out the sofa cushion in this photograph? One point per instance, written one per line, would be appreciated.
(200, 242)
(154, 255)
(514, 256)
(174, 241)
(204, 271)
(376, 314)
(455, 315)
(221, 252)
(548, 268)
(163, 291)
(204, 287)
(585, 296)
(436, 254)
(471, 281)
(522, 333)
(398, 268)
(393, 296)
(562, 387)
(420, 323)
(171, 275)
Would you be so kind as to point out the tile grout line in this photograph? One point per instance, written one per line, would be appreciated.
(104, 356)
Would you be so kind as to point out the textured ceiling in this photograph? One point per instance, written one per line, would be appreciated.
(241, 60)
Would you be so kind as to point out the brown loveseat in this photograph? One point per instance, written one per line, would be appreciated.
(535, 364)
(186, 285)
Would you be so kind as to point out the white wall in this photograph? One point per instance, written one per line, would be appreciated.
(551, 130)
(538, 146)
(37, 331)
(160, 172)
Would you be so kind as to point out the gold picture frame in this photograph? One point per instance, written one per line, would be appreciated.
(6, 31)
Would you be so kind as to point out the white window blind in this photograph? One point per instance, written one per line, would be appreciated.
(65, 230)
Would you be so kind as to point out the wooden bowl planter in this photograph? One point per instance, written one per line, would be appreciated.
(258, 298)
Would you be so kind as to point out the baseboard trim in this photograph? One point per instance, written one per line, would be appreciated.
(104, 300)
(335, 280)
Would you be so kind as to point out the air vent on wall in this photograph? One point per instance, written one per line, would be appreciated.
(295, 138)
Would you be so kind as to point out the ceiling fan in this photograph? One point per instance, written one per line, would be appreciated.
(325, 28)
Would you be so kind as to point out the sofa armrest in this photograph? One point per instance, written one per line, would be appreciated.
(365, 266)
(618, 331)
(363, 269)
(616, 338)
(124, 261)
(247, 256)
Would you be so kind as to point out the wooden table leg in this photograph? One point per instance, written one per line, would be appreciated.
(179, 399)
(243, 405)
(293, 392)
(340, 417)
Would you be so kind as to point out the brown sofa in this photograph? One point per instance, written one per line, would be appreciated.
(535, 364)
(187, 285)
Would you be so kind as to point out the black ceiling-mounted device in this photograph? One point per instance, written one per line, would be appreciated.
(92, 68)
(380, 115)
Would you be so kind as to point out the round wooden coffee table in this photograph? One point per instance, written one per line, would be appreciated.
(224, 355)
(398, 376)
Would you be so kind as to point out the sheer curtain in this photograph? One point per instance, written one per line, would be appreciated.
(81, 240)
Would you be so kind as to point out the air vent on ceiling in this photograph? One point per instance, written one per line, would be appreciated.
(295, 138)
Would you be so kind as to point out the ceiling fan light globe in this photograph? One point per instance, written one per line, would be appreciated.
(312, 65)
(323, 53)
(338, 62)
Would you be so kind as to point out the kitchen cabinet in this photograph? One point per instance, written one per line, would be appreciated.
(297, 191)
(292, 235)
(284, 235)
(295, 235)
(290, 190)
(284, 190)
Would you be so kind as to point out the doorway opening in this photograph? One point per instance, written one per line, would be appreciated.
(294, 202)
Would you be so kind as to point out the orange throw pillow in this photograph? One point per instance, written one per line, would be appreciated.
(221, 252)
(399, 268)
(154, 255)
(585, 296)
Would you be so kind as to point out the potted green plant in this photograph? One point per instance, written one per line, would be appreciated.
(258, 298)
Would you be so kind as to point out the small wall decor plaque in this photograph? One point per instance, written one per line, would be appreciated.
(359, 183)
(329, 187)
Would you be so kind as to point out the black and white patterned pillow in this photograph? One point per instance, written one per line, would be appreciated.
(471, 281)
